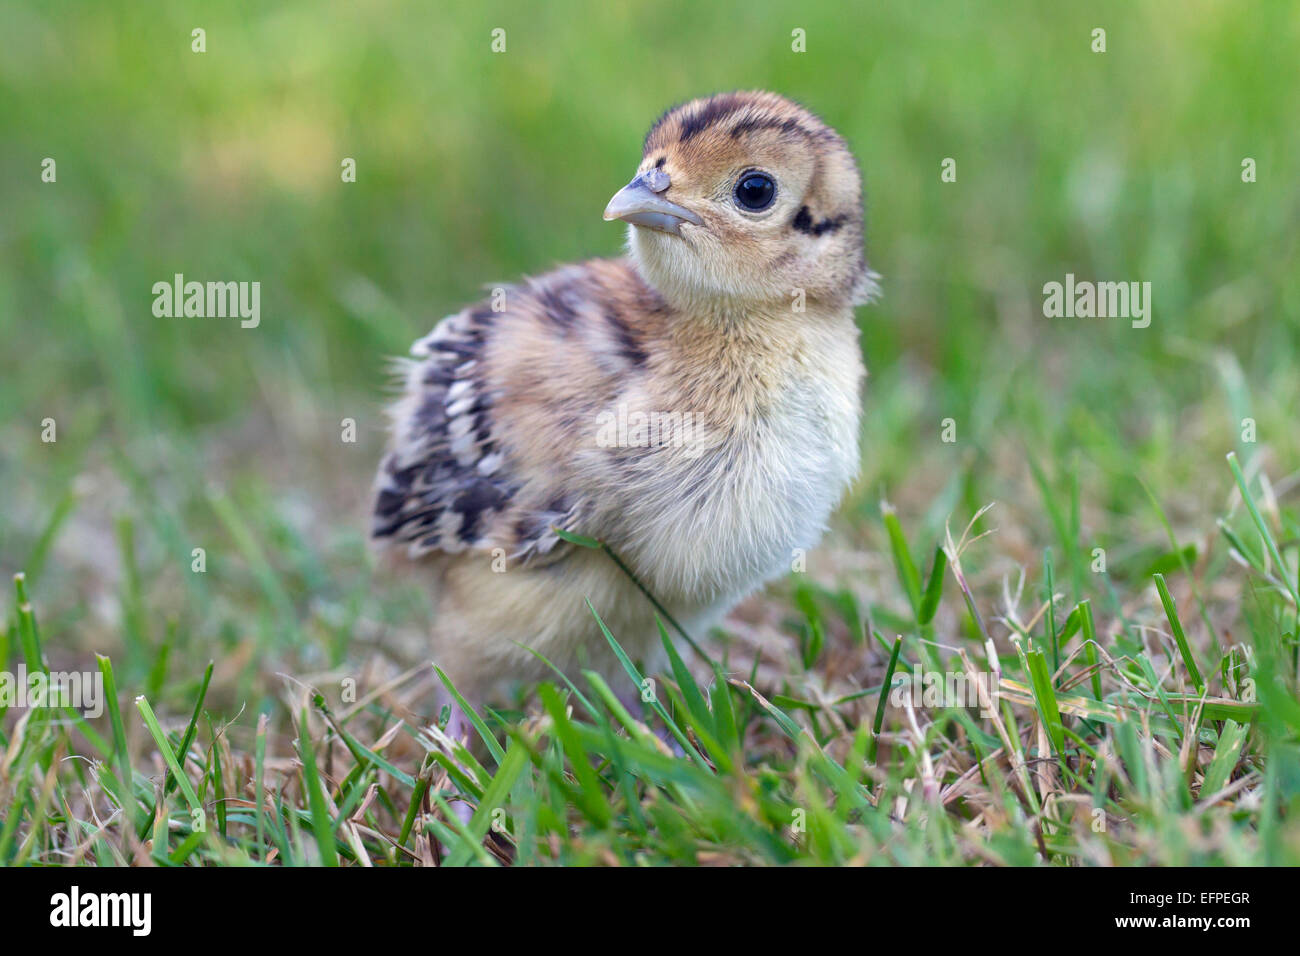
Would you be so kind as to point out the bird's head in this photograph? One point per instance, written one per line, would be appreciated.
(746, 198)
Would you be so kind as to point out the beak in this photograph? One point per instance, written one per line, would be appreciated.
(640, 204)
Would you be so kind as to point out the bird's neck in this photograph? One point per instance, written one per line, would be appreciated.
(740, 360)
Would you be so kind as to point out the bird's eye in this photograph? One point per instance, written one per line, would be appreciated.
(755, 191)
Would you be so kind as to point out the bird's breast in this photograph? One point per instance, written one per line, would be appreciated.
(741, 505)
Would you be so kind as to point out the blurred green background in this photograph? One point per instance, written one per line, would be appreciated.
(474, 167)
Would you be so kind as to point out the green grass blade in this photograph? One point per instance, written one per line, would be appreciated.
(879, 722)
(480, 727)
(1090, 646)
(121, 752)
(1045, 698)
(1184, 649)
(169, 757)
(908, 576)
(1227, 753)
(1264, 532)
(933, 587)
(639, 681)
(321, 823)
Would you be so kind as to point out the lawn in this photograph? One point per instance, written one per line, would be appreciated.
(1054, 623)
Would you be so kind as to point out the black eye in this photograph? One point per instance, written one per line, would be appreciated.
(755, 191)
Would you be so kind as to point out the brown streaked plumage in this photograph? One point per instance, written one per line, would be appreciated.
(694, 405)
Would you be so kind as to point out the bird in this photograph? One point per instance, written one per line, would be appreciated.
(693, 405)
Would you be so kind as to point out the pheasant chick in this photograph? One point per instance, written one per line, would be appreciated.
(694, 405)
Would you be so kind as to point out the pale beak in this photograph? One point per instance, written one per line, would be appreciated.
(639, 203)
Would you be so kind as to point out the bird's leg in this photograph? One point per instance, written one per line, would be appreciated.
(632, 701)
(458, 725)
(459, 730)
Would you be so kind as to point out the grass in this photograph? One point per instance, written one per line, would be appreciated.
(1124, 614)
(1123, 754)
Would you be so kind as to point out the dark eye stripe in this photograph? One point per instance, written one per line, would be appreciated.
(803, 222)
